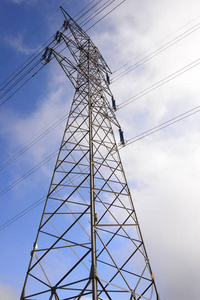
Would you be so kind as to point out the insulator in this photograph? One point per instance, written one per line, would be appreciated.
(114, 103)
(121, 135)
(45, 52)
(107, 78)
(59, 37)
(65, 24)
(49, 57)
(56, 35)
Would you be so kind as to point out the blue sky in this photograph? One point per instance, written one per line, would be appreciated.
(162, 169)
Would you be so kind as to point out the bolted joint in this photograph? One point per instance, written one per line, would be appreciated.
(93, 272)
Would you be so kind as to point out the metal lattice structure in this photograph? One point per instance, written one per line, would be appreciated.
(89, 244)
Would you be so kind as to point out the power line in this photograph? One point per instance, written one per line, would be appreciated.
(28, 173)
(160, 83)
(141, 94)
(156, 52)
(36, 140)
(16, 182)
(98, 11)
(151, 88)
(19, 79)
(85, 13)
(26, 65)
(128, 142)
(164, 125)
(166, 37)
(42, 47)
(7, 161)
(32, 67)
(131, 140)
(142, 61)
(2, 103)
(106, 15)
(22, 213)
(34, 205)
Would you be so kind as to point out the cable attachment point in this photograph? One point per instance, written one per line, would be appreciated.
(107, 78)
(114, 104)
(47, 55)
(121, 135)
(65, 25)
(58, 36)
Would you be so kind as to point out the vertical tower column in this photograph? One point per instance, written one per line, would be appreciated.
(92, 211)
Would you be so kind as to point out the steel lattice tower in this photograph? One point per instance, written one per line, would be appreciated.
(89, 244)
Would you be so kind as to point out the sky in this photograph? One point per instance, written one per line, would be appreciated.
(154, 38)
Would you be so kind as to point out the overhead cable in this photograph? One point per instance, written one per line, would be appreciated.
(27, 146)
(13, 184)
(105, 15)
(128, 142)
(154, 53)
(163, 125)
(31, 67)
(41, 47)
(160, 83)
(135, 97)
(22, 213)
(21, 86)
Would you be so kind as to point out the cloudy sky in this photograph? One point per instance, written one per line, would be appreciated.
(153, 49)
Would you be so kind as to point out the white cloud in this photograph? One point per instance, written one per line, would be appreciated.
(24, 129)
(21, 1)
(17, 44)
(162, 169)
(17, 1)
(7, 293)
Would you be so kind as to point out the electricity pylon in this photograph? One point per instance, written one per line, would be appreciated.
(89, 244)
